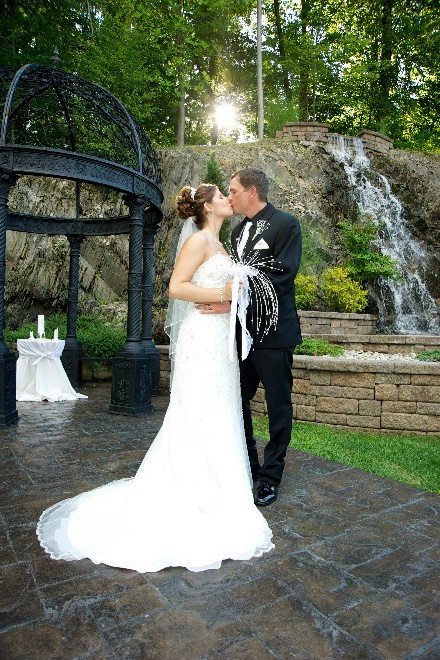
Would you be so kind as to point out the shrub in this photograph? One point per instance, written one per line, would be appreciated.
(98, 338)
(306, 291)
(429, 356)
(214, 175)
(365, 261)
(318, 347)
(340, 293)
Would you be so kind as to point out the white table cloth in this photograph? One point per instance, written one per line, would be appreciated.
(40, 374)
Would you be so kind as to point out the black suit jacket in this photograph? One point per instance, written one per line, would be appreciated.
(282, 234)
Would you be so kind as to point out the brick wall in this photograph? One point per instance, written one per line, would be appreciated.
(395, 396)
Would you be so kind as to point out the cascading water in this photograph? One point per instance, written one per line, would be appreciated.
(404, 306)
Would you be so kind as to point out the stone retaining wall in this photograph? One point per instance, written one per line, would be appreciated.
(393, 396)
(337, 323)
(391, 344)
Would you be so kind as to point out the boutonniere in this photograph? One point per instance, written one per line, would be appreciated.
(261, 226)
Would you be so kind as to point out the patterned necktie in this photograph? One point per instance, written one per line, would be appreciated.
(243, 239)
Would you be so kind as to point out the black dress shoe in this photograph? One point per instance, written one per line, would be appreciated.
(265, 494)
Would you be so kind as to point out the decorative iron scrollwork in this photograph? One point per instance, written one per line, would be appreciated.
(90, 120)
(123, 391)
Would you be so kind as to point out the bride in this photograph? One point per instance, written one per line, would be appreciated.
(190, 503)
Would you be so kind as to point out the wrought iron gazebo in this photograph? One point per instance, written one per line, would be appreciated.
(55, 124)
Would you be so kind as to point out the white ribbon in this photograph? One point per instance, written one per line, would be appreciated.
(243, 238)
(239, 304)
(42, 357)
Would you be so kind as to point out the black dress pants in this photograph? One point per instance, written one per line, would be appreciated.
(273, 367)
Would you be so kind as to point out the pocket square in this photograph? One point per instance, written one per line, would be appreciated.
(261, 245)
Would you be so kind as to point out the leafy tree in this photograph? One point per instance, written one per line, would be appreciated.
(353, 63)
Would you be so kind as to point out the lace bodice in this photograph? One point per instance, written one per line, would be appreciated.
(214, 272)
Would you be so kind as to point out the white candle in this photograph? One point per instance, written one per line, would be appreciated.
(41, 324)
(55, 333)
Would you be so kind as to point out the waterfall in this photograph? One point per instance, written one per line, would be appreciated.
(404, 306)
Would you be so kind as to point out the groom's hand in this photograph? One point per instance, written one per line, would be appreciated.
(214, 307)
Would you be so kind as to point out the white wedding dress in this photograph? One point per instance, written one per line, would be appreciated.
(190, 503)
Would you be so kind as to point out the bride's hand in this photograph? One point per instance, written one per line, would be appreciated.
(214, 307)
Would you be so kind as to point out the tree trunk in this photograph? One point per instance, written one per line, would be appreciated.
(303, 100)
(259, 74)
(282, 50)
(181, 120)
(385, 64)
(213, 73)
(182, 90)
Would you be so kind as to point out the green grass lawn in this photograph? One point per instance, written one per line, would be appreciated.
(411, 459)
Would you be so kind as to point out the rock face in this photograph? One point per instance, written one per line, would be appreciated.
(304, 180)
(37, 266)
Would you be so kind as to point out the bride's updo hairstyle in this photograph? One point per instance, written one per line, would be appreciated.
(188, 206)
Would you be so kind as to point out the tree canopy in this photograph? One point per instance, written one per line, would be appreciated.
(371, 64)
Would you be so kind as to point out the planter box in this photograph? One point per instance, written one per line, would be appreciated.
(392, 396)
(391, 344)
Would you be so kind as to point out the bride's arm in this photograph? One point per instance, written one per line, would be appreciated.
(191, 256)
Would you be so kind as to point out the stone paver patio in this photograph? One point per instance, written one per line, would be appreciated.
(354, 573)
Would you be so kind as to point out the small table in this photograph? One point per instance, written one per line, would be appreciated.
(40, 374)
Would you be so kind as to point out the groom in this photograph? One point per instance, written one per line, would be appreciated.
(276, 236)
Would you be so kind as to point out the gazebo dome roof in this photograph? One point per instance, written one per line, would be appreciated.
(44, 107)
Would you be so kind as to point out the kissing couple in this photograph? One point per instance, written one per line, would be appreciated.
(191, 502)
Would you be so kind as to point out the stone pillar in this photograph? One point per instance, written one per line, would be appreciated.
(8, 410)
(72, 354)
(152, 353)
(131, 377)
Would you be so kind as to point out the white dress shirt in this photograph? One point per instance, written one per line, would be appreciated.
(243, 238)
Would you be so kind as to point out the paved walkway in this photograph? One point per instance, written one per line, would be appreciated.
(353, 573)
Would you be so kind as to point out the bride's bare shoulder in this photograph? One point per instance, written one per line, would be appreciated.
(196, 242)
